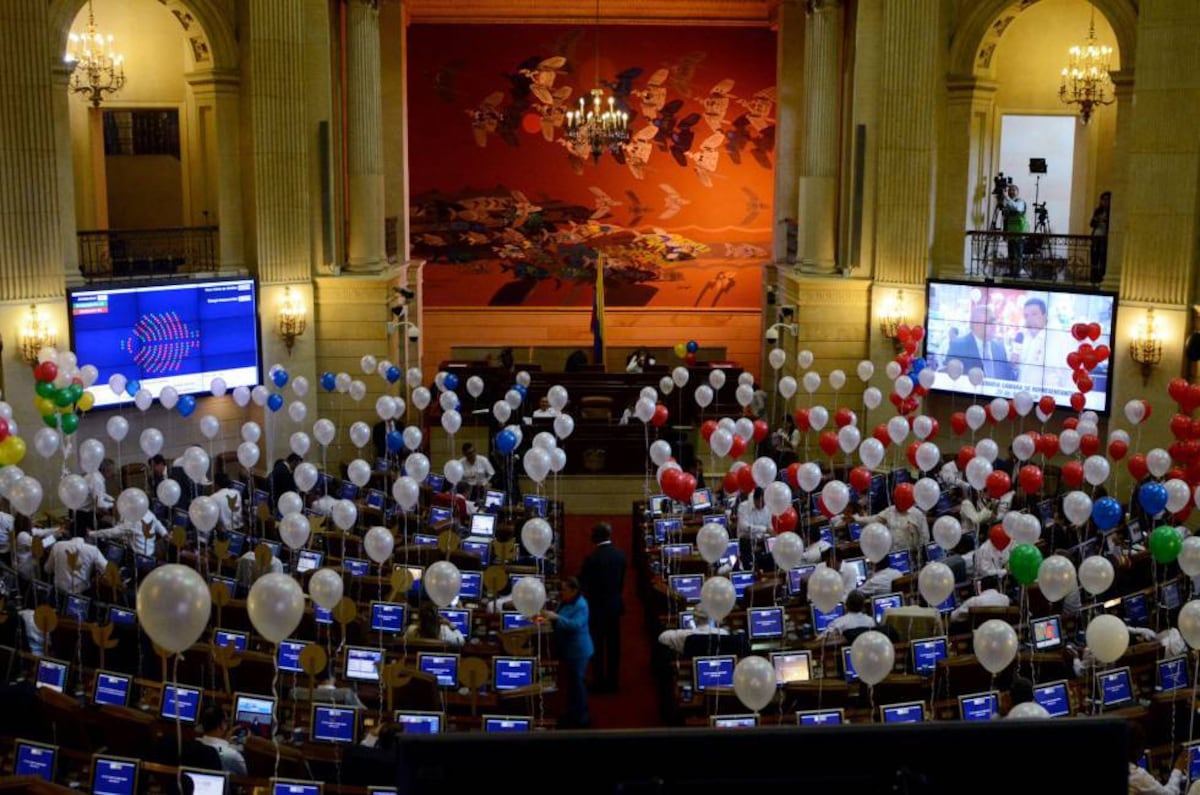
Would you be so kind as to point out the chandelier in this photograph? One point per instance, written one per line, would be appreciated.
(1085, 79)
(98, 70)
(602, 126)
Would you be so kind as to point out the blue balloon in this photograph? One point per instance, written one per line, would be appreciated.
(186, 405)
(328, 381)
(280, 377)
(506, 441)
(132, 386)
(275, 402)
(1107, 513)
(450, 382)
(395, 441)
(1153, 497)
(693, 346)
(521, 389)
(393, 374)
(917, 366)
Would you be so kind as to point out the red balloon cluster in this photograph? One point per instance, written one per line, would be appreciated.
(786, 521)
(678, 485)
(1084, 360)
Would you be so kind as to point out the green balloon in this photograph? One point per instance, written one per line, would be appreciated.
(62, 398)
(1165, 544)
(70, 423)
(51, 420)
(76, 392)
(1024, 562)
(45, 389)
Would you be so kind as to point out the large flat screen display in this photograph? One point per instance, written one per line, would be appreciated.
(1020, 338)
(181, 335)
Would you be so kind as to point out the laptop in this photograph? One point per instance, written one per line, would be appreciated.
(229, 583)
(423, 540)
(1170, 596)
(664, 528)
(180, 703)
(321, 615)
(34, 759)
(493, 500)
(439, 514)
(926, 652)
(660, 505)
(496, 724)
(349, 491)
(334, 724)
(483, 527)
(848, 672)
(111, 688)
(1054, 698)
(237, 542)
(376, 499)
(418, 722)
(910, 712)
(1046, 633)
(1116, 687)
(363, 664)
(979, 706)
(255, 714)
(821, 717)
(436, 483)
(77, 608)
(791, 666)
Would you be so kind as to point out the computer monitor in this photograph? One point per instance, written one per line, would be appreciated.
(356, 567)
(1170, 596)
(349, 491)
(855, 531)
(797, 577)
(376, 499)
(418, 722)
(660, 505)
(926, 652)
(664, 528)
(765, 623)
(821, 621)
(206, 782)
(859, 565)
(825, 533)
(121, 616)
(742, 580)
(1116, 687)
(255, 714)
(52, 674)
(717, 519)
(237, 542)
(436, 483)
(289, 655)
(701, 501)
(34, 759)
(321, 615)
(494, 724)
(950, 604)
(308, 560)
(979, 706)
(115, 553)
(334, 724)
(714, 671)
(1137, 612)
(1193, 749)
(511, 620)
(687, 619)
(1046, 633)
(442, 667)
(111, 688)
(733, 721)
(791, 666)
(472, 586)
(732, 551)
(821, 717)
(513, 579)
(459, 618)
(848, 672)
(363, 664)
(1054, 698)
(387, 617)
(481, 547)
(510, 673)
(900, 561)
(1173, 674)
(77, 608)
(180, 703)
(535, 505)
(271, 545)
(677, 550)
(493, 500)
(230, 637)
(483, 525)
(439, 514)
(1134, 530)
(424, 540)
(885, 602)
(229, 583)
(687, 585)
(281, 786)
(910, 712)
(934, 552)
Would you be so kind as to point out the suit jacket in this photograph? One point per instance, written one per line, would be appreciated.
(282, 479)
(603, 581)
(965, 349)
(574, 640)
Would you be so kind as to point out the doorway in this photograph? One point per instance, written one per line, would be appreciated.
(1026, 139)
(143, 168)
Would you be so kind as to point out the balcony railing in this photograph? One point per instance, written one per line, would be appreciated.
(139, 253)
(1061, 259)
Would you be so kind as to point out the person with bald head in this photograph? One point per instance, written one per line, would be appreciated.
(981, 348)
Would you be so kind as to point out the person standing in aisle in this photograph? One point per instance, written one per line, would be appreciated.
(603, 582)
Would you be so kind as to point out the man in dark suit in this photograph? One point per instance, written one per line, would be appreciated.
(981, 349)
(603, 581)
(282, 477)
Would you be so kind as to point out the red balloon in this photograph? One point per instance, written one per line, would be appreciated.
(903, 332)
(1089, 443)
(1181, 426)
(730, 483)
(828, 514)
(1073, 360)
(911, 452)
(958, 423)
(1146, 404)
(1191, 398)
(706, 429)
(686, 485)
(737, 447)
(1093, 331)
(760, 430)
(965, 454)
(1079, 331)
(1046, 404)
(792, 474)
(1137, 466)
(1175, 473)
(1085, 385)
(690, 360)
(1072, 473)
(1030, 478)
(1047, 444)
(801, 418)
(1070, 423)
(1102, 353)
(1177, 388)
(881, 433)
(670, 477)
(786, 521)
(46, 371)
(998, 537)
(828, 442)
(843, 417)
(745, 479)
(895, 399)
(999, 483)
(918, 333)
(660, 416)
(1117, 449)
(902, 495)
(860, 479)
(531, 122)
(1078, 401)
(4, 429)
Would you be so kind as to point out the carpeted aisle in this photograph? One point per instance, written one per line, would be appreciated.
(635, 706)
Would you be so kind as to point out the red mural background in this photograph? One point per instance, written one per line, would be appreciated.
(508, 212)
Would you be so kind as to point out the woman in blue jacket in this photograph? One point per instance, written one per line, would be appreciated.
(574, 650)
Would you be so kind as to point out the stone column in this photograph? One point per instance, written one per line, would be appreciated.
(31, 256)
(789, 77)
(217, 92)
(280, 136)
(819, 155)
(364, 108)
(963, 172)
(1123, 89)
(67, 224)
(910, 78)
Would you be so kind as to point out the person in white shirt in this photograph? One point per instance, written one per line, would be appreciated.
(431, 626)
(881, 581)
(89, 562)
(6, 530)
(988, 561)
(134, 534)
(101, 502)
(753, 516)
(674, 639)
(229, 500)
(248, 572)
(477, 471)
(989, 595)
(910, 529)
(215, 730)
(1140, 781)
(854, 617)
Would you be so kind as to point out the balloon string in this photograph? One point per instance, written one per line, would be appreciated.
(275, 693)
(178, 723)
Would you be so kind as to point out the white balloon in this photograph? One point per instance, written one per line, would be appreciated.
(680, 376)
(811, 382)
(1108, 638)
(1178, 495)
(421, 398)
(168, 492)
(975, 376)
(241, 396)
(91, 454)
(117, 384)
(1189, 556)
(289, 502)
(849, 438)
(529, 596)
(935, 583)
(299, 443)
(837, 379)
(368, 363)
(720, 442)
(73, 491)
(995, 645)
(522, 378)
(788, 551)
(1028, 710)
(754, 682)
(118, 428)
(251, 432)
(1077, 506)
(360, 433)
(453, 470)
(537, 464)
(999, 409)
(717, 596)
(870, 452)
(537, 536)
(922, 426)
(1096, 469)
(1024, 447)
(716, 378)
(777, 496)
(204, 513)
(897, 428)
(744, 395)
(808, 475)
(872, 397)
(787, 387)
(345, 514)
(26, 495)
(865, 370)
(835, 495)
(1135, 411)
(648, 393)
(210, 426)
(406, 492)
(764, 471)
(442, 581)
(385, 407)
(1096, 574)
(776, 358)
(564, 426)
(666, 385)
(976, 417)
(1056, 577)
(451, 422)
(873, 656)
(978, 470)
(132, 505)
(417, 466)
(903, 386)
(660, 451)
(294, 530)
(804, 359)
(926, 493)
(825, 589)
(892, 370)
(988, 450)
(1158, 461)
(247, 454)
(644, 409)
(818, 416)
(413, 377)
(558, 460)
(876, 541)
(306, 476)
(928, 456)
(143, 399)
(448, 400)
(1189, 623)
(275, 606)
(174, 606)
(324, 432)
(151, 442)
(357, 390)
(325, 586)
(947, 532)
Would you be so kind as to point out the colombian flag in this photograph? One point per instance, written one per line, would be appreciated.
(598, 314)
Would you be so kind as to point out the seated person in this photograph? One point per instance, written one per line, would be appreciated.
(989, 559)
(1141, 781)
(674, 639)
(328, 691)
(134, 534)
(431, 626)
(214, 732)
(988, 594)
(881, 581)
(248, 570)
(910, 529)
(854, 617)
(545, 410)
(89, 562)
(753, 525)
(477, 472)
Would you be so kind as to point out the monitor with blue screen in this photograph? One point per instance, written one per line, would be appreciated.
(717, 519)
(797, 577)
(34, 759)
(885, 602)
(334, 724)
(848, 672)
(1173, 674)
(715, 671)
(229, 583)
(821, 717)
(179, 702)
(493, 500)
(439, 514)
(472, 586)
(271, 545)
(534, 505)
(349, 491)
(52, 674)
(791, 666)
(280, 786)
(855, 531)
(826, 535)
(821, 621)
(687, 619)
(111, 688)
(261, 497)
(77, 608)
(510, 673)
(765, 623)
(376, 499)
(733, 721)
(363, 664)
(121, 617)
(494, 724)
(1054, 698)
(950, 603)
(979, 706)
(442, 667)
(436, 483)
(676, 550)
(308, 560)
(387, 617)
(419, 722)
(701, 501)
(289, 655)
(237, 542)
(1116, 687)
(1169, 595)
(481, 547)
(459, 618)
(859, 565)
(1137, 614)
(511, 620)
(483, 525)
(900, 561)
(934, 552)
(687, 585)
(423, 540)
(741, 580)
(926, 653)
(1193, 752)
(663, 528)
(205, 782)
(356, 567)
(321, 615)
(911, 712)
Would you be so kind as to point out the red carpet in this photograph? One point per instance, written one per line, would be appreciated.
(635, 706)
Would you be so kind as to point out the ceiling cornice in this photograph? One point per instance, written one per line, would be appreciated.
(747, 13)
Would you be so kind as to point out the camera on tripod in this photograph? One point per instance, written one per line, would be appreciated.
(1000, 185)
(1040, 213)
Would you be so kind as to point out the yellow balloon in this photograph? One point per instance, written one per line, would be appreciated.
(681, 349)
(86, 401)
(44, 406)
(12, 450)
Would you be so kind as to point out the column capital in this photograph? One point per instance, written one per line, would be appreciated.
(1122, 80)
(970, 84)
(214, 79)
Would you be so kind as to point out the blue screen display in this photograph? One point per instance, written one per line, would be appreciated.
(420, 722)
(506, 724)
(829, 717)
(982, 707)
(334, 724)
(881, 604)
(459, 619)
(472, 586)
(422, 540)
(35, 760)
(362, 665)
(934, 553)
(181, 702)
(52, 674)
(356, 567)
(1194, 762)
(295, 788)
(223, 637)
(741, 581)
(735, 722)
(349, 491)
(510, 621)
(1053, 698)
(821, 621)
(714, 672)
(289, 655)
(687, 585)
(443, 667)
(438, 514)
(535, 506)
(766, 622)
(121, 617)
(111, 689)
(797, 576)
(926, 654)
(387, 616)
(1173, 674)
(480, 548)
(1117, 687)
(509, 673)
(904, 713)
(321, 615)
(1136, 612)
(900, 561)
(113, 776)
(665, 527)
(77, 608)
(848, 671)
(178, 335)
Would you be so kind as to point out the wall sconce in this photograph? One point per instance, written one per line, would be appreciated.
(1146, 348)
(36, 333)
(892, 318)
(292, 319)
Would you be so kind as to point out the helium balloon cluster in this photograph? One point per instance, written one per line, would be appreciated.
(60, 387)
(687, 351)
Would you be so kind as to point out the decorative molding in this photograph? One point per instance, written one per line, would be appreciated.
(613, 12)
